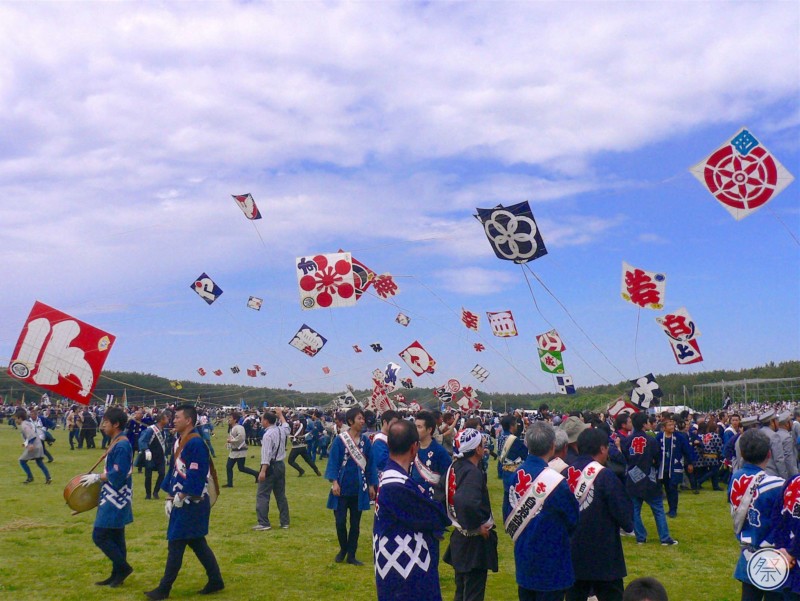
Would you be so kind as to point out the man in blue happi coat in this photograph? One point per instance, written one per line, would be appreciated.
(380, 441)
(353, 477)
(755, 498)
(605, 509)
(408, 526)
(643, 454)
(675, 450)
(188, 506)
(543, 514)
(114, 509)
(510, 455)
(432, 459)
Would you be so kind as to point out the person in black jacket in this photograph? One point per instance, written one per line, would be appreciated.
(643, 454)
(596, 547)
(473, 544)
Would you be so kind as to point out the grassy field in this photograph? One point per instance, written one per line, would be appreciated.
(45, 553)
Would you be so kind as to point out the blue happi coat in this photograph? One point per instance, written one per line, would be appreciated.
(542, 551)
(114, 509)
(508, 467)
(189, 476)
(352, 480)
(674, 451)
(434, 458)
(786, 527)
(757, 529)
(405, 541)
(380, 451)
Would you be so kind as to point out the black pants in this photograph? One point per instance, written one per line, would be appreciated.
(111, 541)
(471, 586)
(148, 477)
(239, 463)
(671, 491)
(751, 593)
(529, 595)
(604, 590)
(204, 554)
(301, 452)
(348, 543)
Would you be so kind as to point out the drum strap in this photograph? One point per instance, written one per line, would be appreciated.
(108, 450)
(212, 469)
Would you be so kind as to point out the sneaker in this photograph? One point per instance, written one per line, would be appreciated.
(354, 562)
(211, 587)
(672, 514)
(623, 533)
(339, 557)
(670, 542)
(28, 481)
(285, 527)
(156, 595)
(641, 542)
(261, 528)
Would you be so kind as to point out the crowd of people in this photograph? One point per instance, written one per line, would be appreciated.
(572, 486)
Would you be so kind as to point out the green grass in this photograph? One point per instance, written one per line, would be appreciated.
(45, 553)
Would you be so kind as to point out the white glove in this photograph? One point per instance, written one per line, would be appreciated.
(89, 479)
(168, 508)
(178, 501)
(148, 455)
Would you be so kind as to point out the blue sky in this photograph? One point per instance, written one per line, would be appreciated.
(378, 128)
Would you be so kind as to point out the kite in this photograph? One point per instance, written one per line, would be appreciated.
(453, 385)
(480, 373)
(60, 353)
(643, 288)
(512, 232)
(403, 319)
(376, 346)
(326, 281)
(414, 406)
(550, 341)
(384, 286)
(217, 372)
(252, 372)
(256, 367)
(418, 359)
(682, 333)
(390, 376)
(742, 175)
(176, 385)
(379, 401)
(620, 405)
(645, 391)
(362, 276)
(502, 323)
(357, 349)
(479, 348)
(470, 319)
(201, 371)
(551, 361)
(345, 401)
(443, 394)
(235, 369)
(308, 340)
(247, 205)
(468, 402)
(206, 288)
(262, 373)
(255, 303)
(564, 385)
(400, 399)
(407, 383)
(326, 370)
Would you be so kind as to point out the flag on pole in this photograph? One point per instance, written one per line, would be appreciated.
(125, 398)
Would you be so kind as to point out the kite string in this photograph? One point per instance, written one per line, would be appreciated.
(791, 233)
(599, 350)
(636, 341)
(547, 321)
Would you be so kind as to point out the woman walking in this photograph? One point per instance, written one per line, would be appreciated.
(33, 446)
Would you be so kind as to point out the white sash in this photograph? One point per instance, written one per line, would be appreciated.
(427, 473)
(531, 503)
(586, 482)
(380, 436)
(506, 447)
(353, 450)
(449, 503)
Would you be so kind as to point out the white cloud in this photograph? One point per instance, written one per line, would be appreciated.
(474, 280)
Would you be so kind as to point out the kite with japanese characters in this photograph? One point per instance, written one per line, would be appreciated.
(248, 206)
(682, 334)
(512, 232)
(255, 303)
(470, 319)
(742, 175)
(646, 391)
(385, 286)
(480, 373)
(418, 359)
(403, 319)
(550, 341)
(326, 281)
(564, 385)
(645, 289)
(502, 323)
(206, 288)
(308, 340)
(60, 353)
(362, 276)
(551, 361)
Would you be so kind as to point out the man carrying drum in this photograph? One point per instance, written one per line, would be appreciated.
(114, 509)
